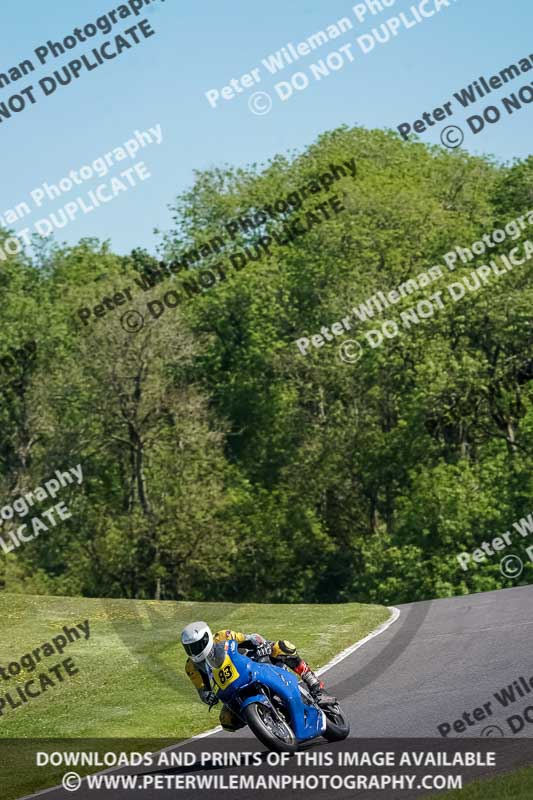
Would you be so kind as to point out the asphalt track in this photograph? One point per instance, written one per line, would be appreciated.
(438, 660)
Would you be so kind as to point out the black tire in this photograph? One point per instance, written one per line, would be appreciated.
(337, 727)
(257, 715)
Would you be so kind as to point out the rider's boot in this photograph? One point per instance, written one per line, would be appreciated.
(312, 681)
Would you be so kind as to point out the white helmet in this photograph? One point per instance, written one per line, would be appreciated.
(197, 640)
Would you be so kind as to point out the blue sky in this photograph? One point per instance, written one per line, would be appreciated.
(201, 46)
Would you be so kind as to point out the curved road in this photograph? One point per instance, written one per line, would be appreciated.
(439, 660)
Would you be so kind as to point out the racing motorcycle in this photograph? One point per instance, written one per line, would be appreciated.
(276, 706)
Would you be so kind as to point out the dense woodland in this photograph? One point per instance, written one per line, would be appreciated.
(219, 461)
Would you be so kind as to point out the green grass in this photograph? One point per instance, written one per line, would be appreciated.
(518, 786)
(131, 681)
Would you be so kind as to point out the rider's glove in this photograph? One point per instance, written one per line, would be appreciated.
(208, 697)
(257, 645)
(263, 648)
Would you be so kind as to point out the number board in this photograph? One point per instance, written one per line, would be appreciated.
(225, 674)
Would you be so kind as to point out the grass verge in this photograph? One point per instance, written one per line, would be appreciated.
(517, 786)
(131, 681)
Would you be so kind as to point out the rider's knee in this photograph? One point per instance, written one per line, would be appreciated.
(229, 721)
(229, 727)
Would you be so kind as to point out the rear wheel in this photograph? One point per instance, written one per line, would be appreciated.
(269, 727)
(337, 727)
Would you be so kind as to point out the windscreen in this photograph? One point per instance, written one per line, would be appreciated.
(217, 655)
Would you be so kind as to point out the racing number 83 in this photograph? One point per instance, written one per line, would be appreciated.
(225, 674)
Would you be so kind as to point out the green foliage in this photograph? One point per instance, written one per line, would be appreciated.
(217, 457)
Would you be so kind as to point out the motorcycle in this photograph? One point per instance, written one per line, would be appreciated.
(276, 706)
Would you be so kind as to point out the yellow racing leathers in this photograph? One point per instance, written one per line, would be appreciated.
(281, 651)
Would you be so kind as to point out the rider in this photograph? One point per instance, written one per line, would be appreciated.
(198, 642)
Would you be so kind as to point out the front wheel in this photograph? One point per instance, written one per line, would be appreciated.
(271, 730)
(337, 726)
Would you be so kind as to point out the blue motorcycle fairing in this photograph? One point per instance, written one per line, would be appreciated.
(307, 722)
(254, 698)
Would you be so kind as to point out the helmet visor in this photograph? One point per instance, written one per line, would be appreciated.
(195, 648)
